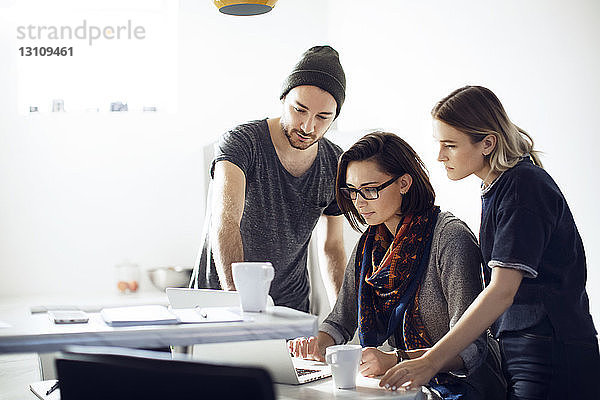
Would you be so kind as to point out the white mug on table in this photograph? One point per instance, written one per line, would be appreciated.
(344, 360)
(253, 280)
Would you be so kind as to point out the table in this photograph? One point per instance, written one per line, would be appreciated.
(37, 333)
(366, 389)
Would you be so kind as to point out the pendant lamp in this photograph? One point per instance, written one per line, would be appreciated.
(245, 7)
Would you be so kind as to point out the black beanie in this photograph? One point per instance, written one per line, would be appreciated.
(319, 66)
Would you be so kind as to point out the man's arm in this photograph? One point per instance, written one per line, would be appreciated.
(332, 230)
(227, 207)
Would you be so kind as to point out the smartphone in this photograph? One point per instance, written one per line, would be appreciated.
(69, 317)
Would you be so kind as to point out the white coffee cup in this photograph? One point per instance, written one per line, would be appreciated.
(253, 280)
(344, 360)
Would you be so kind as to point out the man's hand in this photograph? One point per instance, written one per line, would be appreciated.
(375, 362)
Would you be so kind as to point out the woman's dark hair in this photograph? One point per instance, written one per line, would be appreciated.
(395, 157)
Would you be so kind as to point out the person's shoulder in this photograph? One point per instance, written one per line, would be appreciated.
(248, 129)
(248, 136)
(241, 145)
(525, 173)
(456, 246)
(447, 219)
(330, 148)
(530, 183)
(451, 228)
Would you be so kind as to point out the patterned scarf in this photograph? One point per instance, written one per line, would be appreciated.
(389, 271)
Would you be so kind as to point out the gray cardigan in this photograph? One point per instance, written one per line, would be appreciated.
(452, 281)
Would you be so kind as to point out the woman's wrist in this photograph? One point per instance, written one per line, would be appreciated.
(401, 356)
(432, 357)
(389, 359)
(324, 340)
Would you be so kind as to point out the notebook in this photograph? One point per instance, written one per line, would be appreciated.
(272, 355)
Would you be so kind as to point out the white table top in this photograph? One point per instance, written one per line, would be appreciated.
(37, 333)
(366, 388)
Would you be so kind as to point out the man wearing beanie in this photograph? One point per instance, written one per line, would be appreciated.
(272, 181)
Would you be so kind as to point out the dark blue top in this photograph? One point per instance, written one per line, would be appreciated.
(526, 224)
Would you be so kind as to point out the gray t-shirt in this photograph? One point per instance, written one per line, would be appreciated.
(280, 210)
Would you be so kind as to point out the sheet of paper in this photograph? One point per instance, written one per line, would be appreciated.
(41, 388)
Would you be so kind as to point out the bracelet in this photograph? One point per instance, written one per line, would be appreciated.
(401, 355)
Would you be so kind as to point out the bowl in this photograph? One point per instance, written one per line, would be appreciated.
(164, 277)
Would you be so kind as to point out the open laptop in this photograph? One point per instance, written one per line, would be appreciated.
(272, 355)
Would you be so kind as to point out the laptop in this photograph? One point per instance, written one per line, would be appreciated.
(191, 298)
(272, 355)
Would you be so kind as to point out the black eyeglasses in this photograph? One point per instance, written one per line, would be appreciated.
(368, 193)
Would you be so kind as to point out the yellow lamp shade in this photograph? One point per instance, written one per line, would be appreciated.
(245, 7)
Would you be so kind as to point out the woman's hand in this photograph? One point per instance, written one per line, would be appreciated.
(307, 348)
(409, 374)
(312, 348)
(376, 362)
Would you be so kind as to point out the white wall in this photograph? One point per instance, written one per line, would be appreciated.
(540, 57)
(80, 194)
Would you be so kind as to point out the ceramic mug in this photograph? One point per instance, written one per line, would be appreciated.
(344, 360)
(253, 280)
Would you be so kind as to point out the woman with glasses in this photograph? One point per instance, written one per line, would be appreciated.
(413, 273)
(535, 268)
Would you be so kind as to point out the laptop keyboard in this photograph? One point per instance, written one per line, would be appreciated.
(302, 371)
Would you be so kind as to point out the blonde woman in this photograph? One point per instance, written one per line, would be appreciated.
(535, 297)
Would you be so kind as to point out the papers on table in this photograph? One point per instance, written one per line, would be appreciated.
(138, 315)
(160, 315)
(41, 388)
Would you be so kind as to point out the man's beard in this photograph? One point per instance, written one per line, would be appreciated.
(290, 135)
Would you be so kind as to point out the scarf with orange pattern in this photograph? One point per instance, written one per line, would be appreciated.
(389, 271)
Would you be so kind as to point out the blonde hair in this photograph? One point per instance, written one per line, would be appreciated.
(477, 112)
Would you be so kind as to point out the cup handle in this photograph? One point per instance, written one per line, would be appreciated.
(270, 273)
(329, 358)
